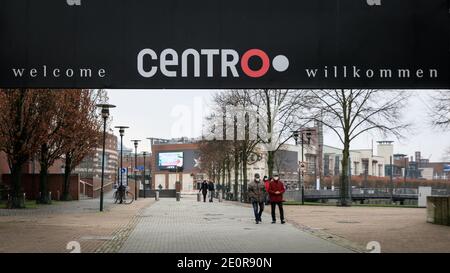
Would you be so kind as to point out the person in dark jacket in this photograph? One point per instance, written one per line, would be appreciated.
(266, 185)
(211, 190)
(204, 189)
(256, 194)
(276, 190)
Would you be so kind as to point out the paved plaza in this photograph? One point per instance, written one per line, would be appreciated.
(197, 227)
(396, 229)
(189, 226)
(49, 228)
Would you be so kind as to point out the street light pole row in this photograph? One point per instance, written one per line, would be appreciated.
(105, 115)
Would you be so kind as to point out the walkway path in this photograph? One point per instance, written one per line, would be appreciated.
(49, 228)
(197, 227)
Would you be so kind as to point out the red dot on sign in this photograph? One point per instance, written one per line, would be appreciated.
(265, 63)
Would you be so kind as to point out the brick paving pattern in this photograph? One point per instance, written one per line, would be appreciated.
(189, 226)
(396, 229)
(49, 228)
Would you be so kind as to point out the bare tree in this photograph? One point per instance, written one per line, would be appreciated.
(244, 110)
(440, 111)
(350, 113)
(281, 111)
(214, 156)
(258, 118)
(237, 108)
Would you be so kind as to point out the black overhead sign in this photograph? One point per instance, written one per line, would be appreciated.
(225, 43)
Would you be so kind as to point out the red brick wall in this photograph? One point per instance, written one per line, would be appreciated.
(55, 185)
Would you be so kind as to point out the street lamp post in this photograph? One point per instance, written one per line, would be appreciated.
(406, 168)
(391, 180)
(295, 135)
(405, 161)
(105, 114)
(144, 154)
(122, 132)
(136, 142)
(300, 174)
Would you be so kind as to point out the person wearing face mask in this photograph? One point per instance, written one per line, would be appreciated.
(256, 194)
(266, 181)
(276, 190)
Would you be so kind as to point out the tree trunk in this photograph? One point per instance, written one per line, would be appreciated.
(236, 160)
(271, 153)
(270, 162)
(16, 195)
(66, 184)
(213, 174)
(16, 159)
(44, 198)
(236, 175)
(43, 186)
(223, 177)
(245, 156)
(344, 185)
(244, 176)
(229, 176)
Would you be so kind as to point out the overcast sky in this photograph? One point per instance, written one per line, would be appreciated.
(176, 113)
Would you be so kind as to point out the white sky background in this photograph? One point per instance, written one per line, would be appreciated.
(177, 113)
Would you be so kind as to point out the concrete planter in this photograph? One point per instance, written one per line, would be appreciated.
(438, 210)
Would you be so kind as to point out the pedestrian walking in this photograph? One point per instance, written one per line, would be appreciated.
(211, 190)
(266, 185)
(256, 195)
(276, 190)
(204, 189)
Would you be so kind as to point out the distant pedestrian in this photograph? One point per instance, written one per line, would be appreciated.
(204, 189)
(266, 185)
(276, 190)
(211, 190)
(256, 195)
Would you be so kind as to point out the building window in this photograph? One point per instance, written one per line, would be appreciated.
(106, 161)
(336, 165)
(326, 165)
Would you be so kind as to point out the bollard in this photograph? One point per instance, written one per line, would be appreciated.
(157, 195)
(199, 197)
(220, 198)
(178, 196)
(50, 195)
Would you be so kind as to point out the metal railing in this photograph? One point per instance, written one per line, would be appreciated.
(362, 193)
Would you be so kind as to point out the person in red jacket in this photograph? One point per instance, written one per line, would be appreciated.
(276, 190)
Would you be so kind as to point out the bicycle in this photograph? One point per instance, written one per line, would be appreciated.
(127, 197)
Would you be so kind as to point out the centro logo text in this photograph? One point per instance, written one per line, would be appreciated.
(73, 2)
(229, 60)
